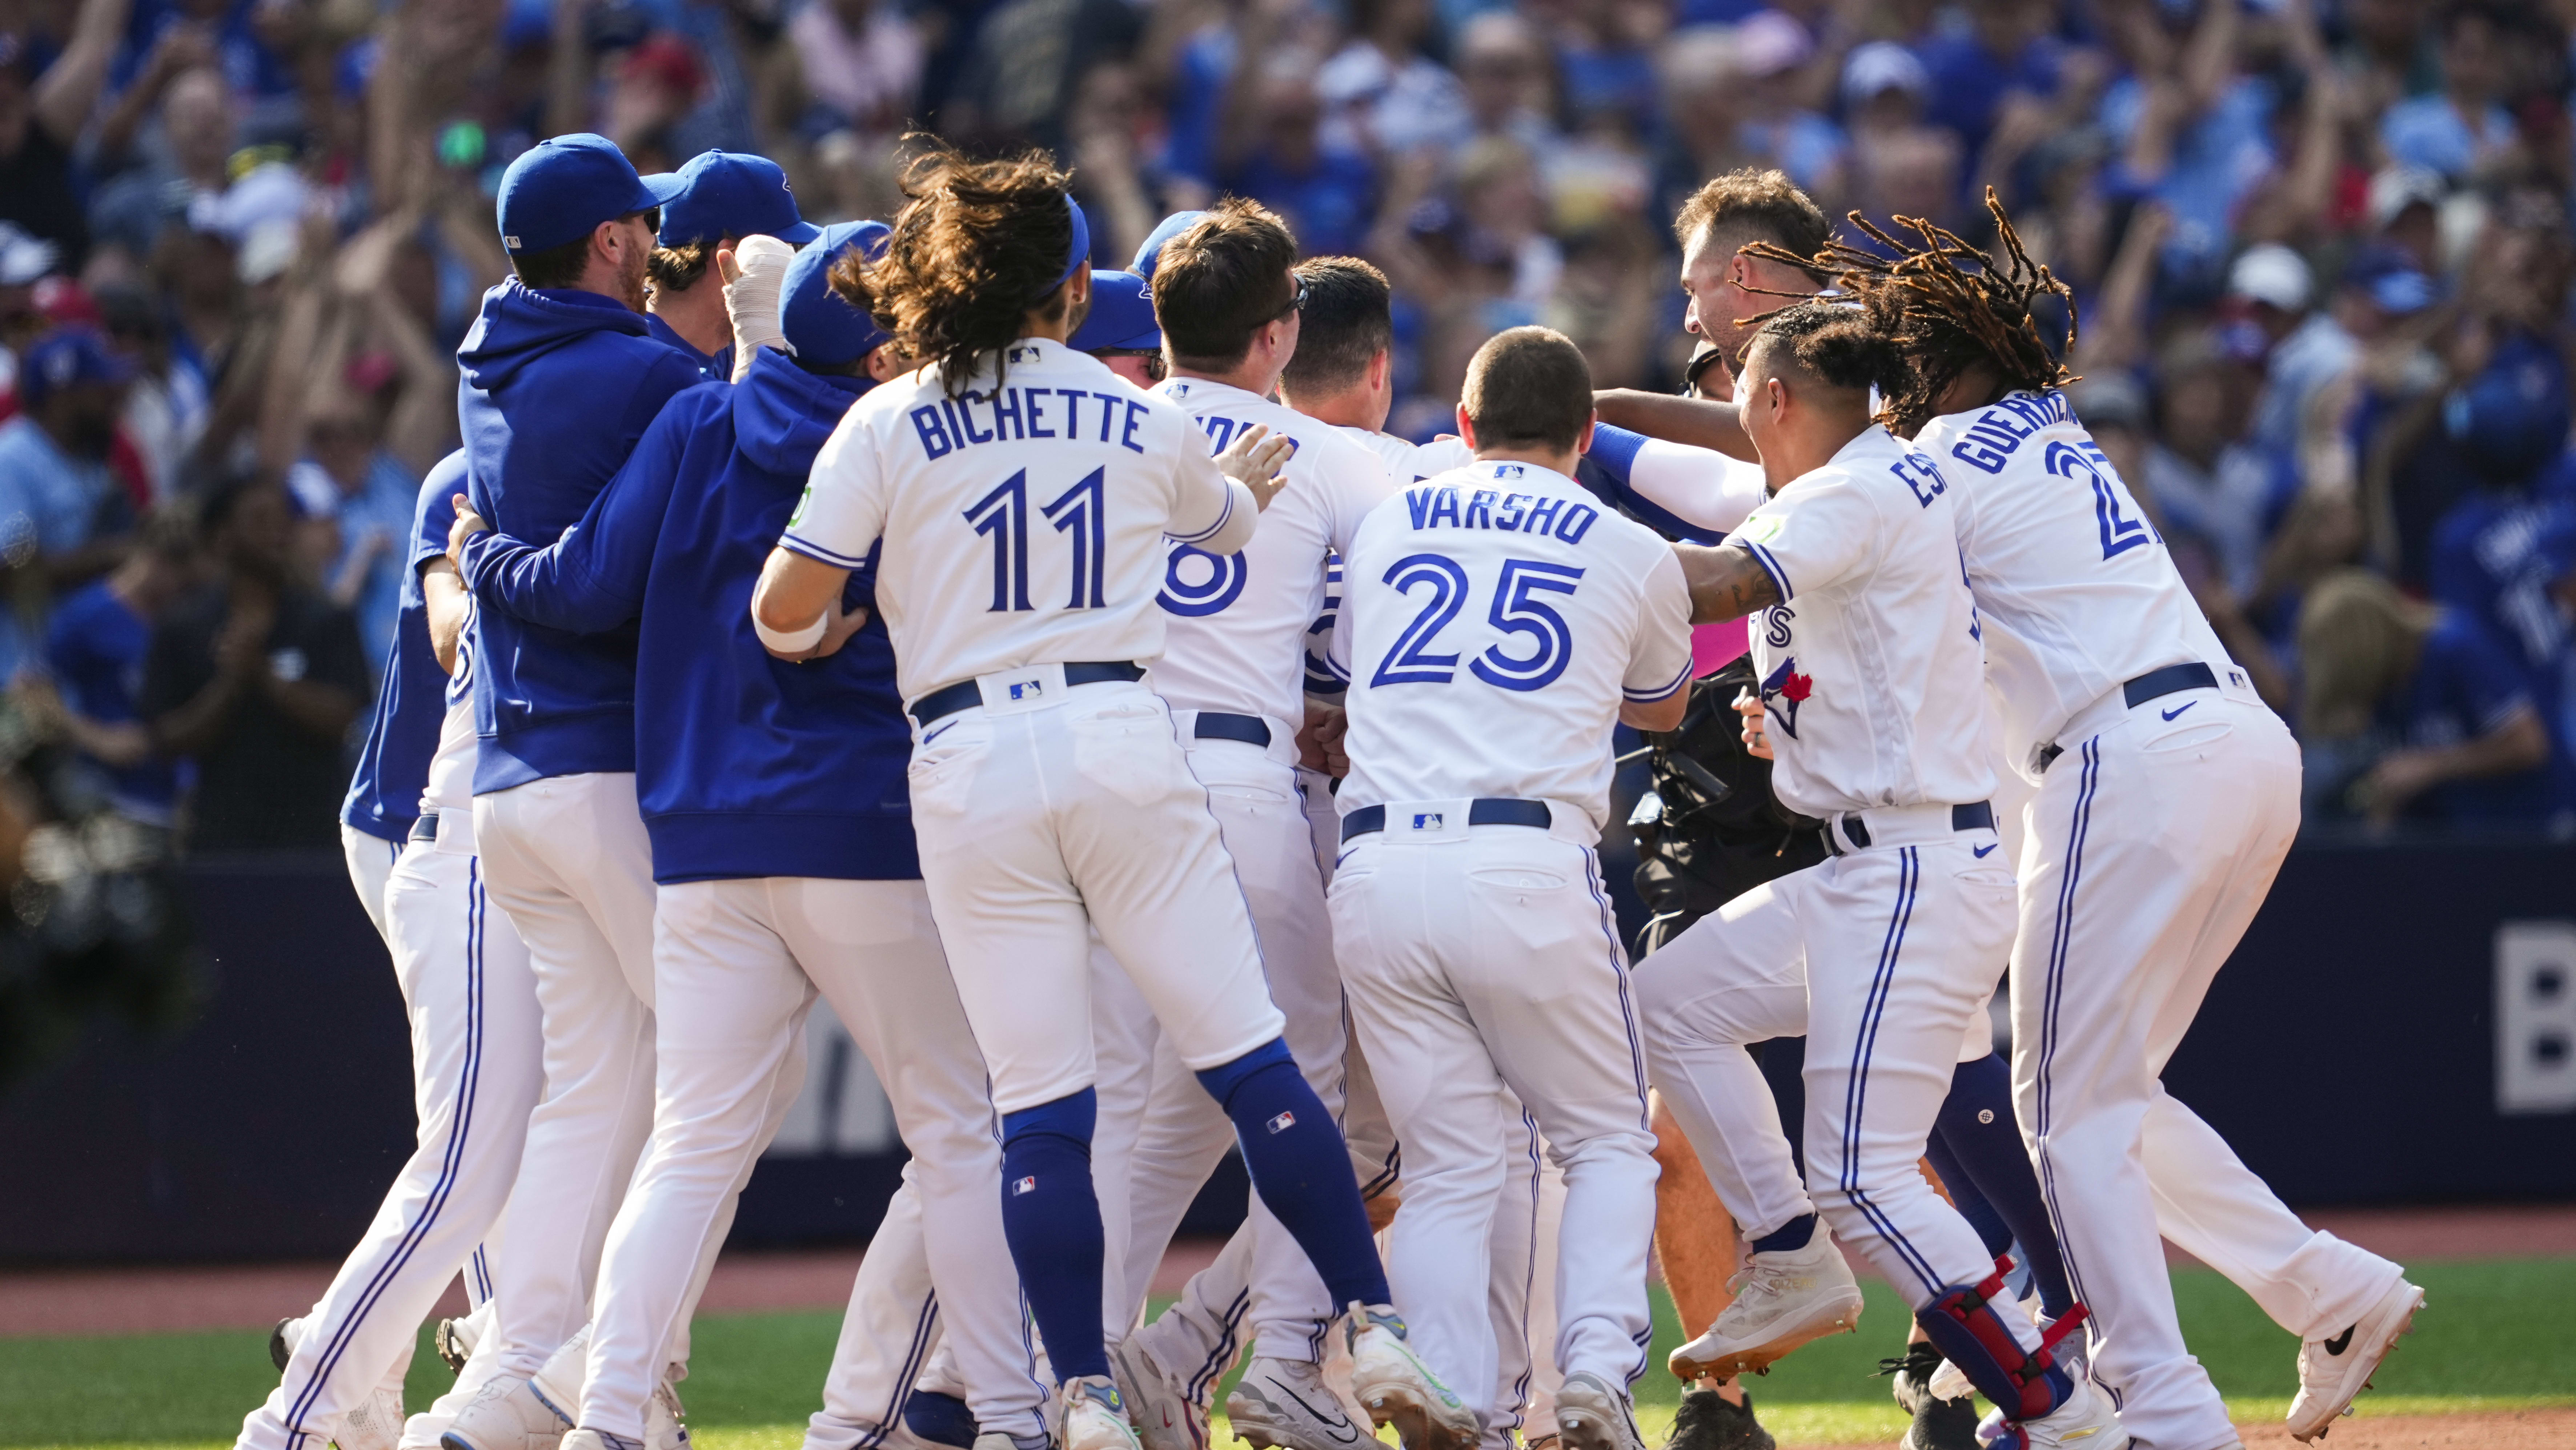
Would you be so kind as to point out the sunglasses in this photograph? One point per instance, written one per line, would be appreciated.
(1296, 303)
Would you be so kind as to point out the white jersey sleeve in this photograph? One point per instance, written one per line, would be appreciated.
(1823, 535)
(1697, 485)
(842, 514)
(1659, 658)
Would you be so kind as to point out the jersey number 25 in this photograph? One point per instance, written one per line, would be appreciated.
(1516, 609)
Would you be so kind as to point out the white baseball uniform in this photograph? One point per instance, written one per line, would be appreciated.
(1233, 670)
(371, 864)
(2168, 794)
(476, 1065)
(1872, 678)
(1493, 621)
(1046, 808)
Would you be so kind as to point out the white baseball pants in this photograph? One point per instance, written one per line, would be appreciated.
(371, 864)
(1899, 946)
(568, 859)
(2151, 845)
(476, 1073)
(1481, 969)
(1037, 826)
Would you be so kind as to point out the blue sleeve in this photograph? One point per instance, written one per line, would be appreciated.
(1605, 467)
(2476, 673)
(591, 579)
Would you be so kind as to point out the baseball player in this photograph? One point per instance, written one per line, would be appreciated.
(560, 380)
(722, 197)
(1120, 330)
(475, 1055)
(782, 850)
(1049, 793)
(1497, 624)
(1870, 700)
(2167, 796)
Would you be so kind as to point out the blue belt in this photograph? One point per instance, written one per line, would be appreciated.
(1483, 811)
(966, 694)
(1217, 725)
(2153, 685)
(1974, 816)
(426, 828)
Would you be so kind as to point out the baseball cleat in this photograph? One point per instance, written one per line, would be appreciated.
(2333, 1371)
(1397, 1388)
(376, 1424)
(1159, 1403)
(1782, 1300)
(2085, 1421)
(1942, 1425)
(509, 1414)
(454, 1339)
(1911, 1372)
(1593, 1415)
(662, 1415)
(1939, 1420)
(281, 1344)
(1091, 1416)
(1708, 1421)
(1284, 1404)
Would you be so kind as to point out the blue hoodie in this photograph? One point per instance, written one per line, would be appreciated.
(747, 765)
(393, 766)
(558, 385)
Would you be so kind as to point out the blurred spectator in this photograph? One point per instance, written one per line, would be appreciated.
(2005, 48)
(1392, 97)
(2218, 492)
(2414, 711)
(2462, 127)
(94, 658)
(1275, 150)
(43, 106)
(861, 61)
(162, 144)
(257, 679)
(361, 499)
(63, 517)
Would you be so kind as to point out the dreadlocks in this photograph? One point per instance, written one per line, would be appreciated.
(1949, 305)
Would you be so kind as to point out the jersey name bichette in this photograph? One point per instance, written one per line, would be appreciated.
(1871, 671)
(1493, 620)
(2074, 587)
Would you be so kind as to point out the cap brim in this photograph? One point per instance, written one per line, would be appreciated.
(660, 189)
(799, 234)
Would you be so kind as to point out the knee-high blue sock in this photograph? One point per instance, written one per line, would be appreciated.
(1300, 1168)
(1972, 1205)
(1051, 1219)
(1978, 1128)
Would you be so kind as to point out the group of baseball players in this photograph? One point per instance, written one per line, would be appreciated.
(1061, 672)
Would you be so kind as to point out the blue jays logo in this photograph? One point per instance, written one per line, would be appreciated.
(1783, 691)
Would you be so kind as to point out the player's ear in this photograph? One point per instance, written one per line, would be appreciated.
(1466, 428)
(1583, 440)
(1381, 370)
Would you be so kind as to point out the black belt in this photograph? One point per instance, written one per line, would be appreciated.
(1217, 725)
(966, 694)
(1974, 816)
(426, 828)
(2153, 685)
(1483, 811)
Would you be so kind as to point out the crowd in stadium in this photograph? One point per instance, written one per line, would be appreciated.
(2321, 251)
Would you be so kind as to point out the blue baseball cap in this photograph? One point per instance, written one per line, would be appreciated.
(1122, 316)
(731, 193)
(563, 186)
(821, 326)
(1150, 255)
(68, 357)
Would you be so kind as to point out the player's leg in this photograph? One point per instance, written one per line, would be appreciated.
(1180, 1138)
(475, 1054)
(1977, 1148)
(1520, 1289)
(873, 949)
(887, 1333)
(1451, 1107)
(371, 863)
(543, 845)
(1124, 1040)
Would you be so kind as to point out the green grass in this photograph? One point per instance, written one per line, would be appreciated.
(2492, 1336)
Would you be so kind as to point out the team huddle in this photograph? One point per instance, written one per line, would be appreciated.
(1062, 673)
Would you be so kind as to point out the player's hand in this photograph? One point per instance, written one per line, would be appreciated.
(2399, 777)
(468, 524)
(1757, 742)
(1319, 740)
(836, 633)
(1254, 459)
(1381, 1209)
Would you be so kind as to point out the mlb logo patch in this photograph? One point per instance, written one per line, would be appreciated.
(1282, 1123)
(1427, 820)
(1027, 689)
(1509, 470)
(1024, 1185)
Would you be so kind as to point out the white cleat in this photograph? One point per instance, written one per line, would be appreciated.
(1397, 1388)
(2333, 1371)
(1159, 1403)
(1782, 1300)
(1591, 1414)
(2085, 1422)
(1284, 1404)
(376, 1424)
(1090, 1415)
(662, 1415)
(508, 1415)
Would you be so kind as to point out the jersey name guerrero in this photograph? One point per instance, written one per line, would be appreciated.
(2074, 586)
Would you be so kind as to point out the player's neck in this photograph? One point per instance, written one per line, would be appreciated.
(1802, 450)
(697, 314)
(1562, 463)
(1252, 375)
(1350, 408)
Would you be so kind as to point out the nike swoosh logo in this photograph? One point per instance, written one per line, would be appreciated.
(2341, 1342)
(1982, 852)
(2178, 709)
(1336, 1414)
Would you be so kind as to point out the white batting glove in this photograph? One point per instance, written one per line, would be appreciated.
(752, 299)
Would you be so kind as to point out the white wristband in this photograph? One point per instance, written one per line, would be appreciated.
(794, 642)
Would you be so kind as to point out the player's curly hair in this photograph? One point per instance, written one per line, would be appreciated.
(1949, 306)
(1839, 346)
(977, 245)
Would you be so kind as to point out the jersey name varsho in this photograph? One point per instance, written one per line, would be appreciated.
(1487, 508)
(1017, 415)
